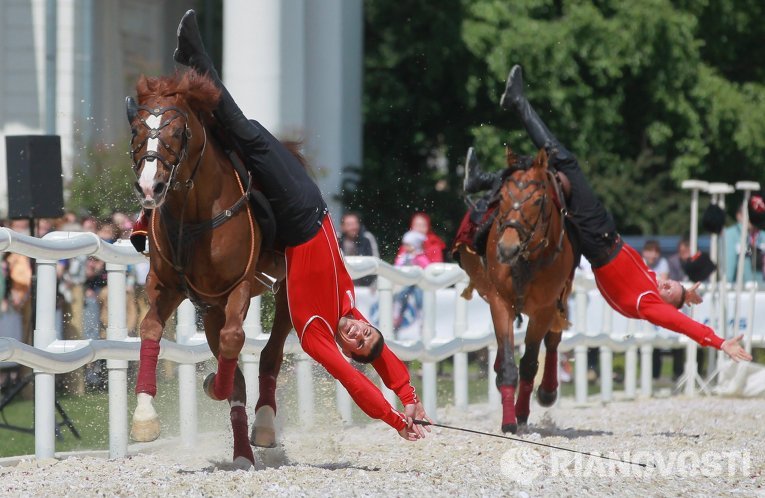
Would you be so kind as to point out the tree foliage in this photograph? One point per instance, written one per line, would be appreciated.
(647, 94)
(103, 184)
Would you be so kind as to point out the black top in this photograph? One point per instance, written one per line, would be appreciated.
(295, 198)
(600, 242)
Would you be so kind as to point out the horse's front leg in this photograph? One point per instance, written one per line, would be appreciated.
(264, 428)
(220, 386)
(504, 364)
(536, 330)
(162, 303)
(214, 322)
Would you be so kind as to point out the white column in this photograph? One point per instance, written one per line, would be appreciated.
(385, 295)
(186, 327)
(630, 372)
(305, 390)
(116, 330)
(45, 383)
(646, 369)
(264, 61)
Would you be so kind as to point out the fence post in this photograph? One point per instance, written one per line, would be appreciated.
(116, 330)
(580, 352)
(606, 374)
(495, 399)
(460, 358)
(630, 372)
(305, 389)
(187, 375)
(646, 369)
(45, 383)
(251, 362)
(385, 312)
(429, 368)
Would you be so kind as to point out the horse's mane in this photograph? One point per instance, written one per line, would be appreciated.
(196, 89)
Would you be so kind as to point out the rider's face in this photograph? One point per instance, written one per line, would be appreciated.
(356, 337)
(671, 291)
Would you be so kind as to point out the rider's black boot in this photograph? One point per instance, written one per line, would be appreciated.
(476, 179)
(191, 52)
(513, 98)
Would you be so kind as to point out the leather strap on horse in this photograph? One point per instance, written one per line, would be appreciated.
(211, 224)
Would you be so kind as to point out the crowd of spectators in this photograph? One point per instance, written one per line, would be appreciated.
(81, 294)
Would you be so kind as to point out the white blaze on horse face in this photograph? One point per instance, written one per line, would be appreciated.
(150, 167)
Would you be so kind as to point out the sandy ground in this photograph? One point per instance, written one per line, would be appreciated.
(705, 446)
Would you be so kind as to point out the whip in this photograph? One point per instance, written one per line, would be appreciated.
(594, 455)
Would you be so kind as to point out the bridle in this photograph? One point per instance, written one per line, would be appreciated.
(526, 227)
(155, 133)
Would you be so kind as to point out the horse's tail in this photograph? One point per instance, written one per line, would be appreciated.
(296, 149)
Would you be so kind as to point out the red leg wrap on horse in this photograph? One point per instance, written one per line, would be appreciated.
(550, 377)
(267, 394)
(508, 404)
(223, 385)
(147, 368)
(241, 437)
(522, 407)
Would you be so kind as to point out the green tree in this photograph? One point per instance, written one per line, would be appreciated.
(647, 94)
(103, 184)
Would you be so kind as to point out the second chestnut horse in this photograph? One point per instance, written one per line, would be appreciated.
(529, 262)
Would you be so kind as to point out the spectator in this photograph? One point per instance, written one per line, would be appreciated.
(407, 304)
(755, 246)
(434, 246)
(355, 240)
(652, 256)
(676, 261)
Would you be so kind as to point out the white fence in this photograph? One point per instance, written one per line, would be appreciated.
(451, 328)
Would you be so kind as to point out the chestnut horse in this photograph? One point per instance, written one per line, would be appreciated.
(205, 244)
(529, 262)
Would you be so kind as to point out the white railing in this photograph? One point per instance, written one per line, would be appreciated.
(451, 327)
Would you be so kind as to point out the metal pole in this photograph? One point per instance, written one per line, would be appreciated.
(694, 186)
(45, 383)
(747, 187)
(630, 372)
(116, 330)
(187, 376)
(580, 352)
(460, 358)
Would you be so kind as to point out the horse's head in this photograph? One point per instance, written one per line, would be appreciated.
(525, 209)
(163, 124)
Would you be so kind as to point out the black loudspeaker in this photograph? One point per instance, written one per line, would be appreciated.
(35, 186)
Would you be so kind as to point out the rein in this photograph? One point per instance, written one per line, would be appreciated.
(527, 228)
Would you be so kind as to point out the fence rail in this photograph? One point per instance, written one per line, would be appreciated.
(467, 325)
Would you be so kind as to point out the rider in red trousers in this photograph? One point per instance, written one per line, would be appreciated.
(319, 289)
(623, 278)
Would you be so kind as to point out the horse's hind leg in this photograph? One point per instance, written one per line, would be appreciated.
(548, 389)
(264, 428)
(504, 365)
(145, 424)
(214, 321)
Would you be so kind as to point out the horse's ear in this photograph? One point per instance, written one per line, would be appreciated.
(132, 108)
(541, 160)
(511, 157)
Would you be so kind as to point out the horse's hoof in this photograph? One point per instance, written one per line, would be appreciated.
(545, 398)
(243, 463)
(143, 431)
(513, 428)
(207, 386)
(522, 419)
(263, 433)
